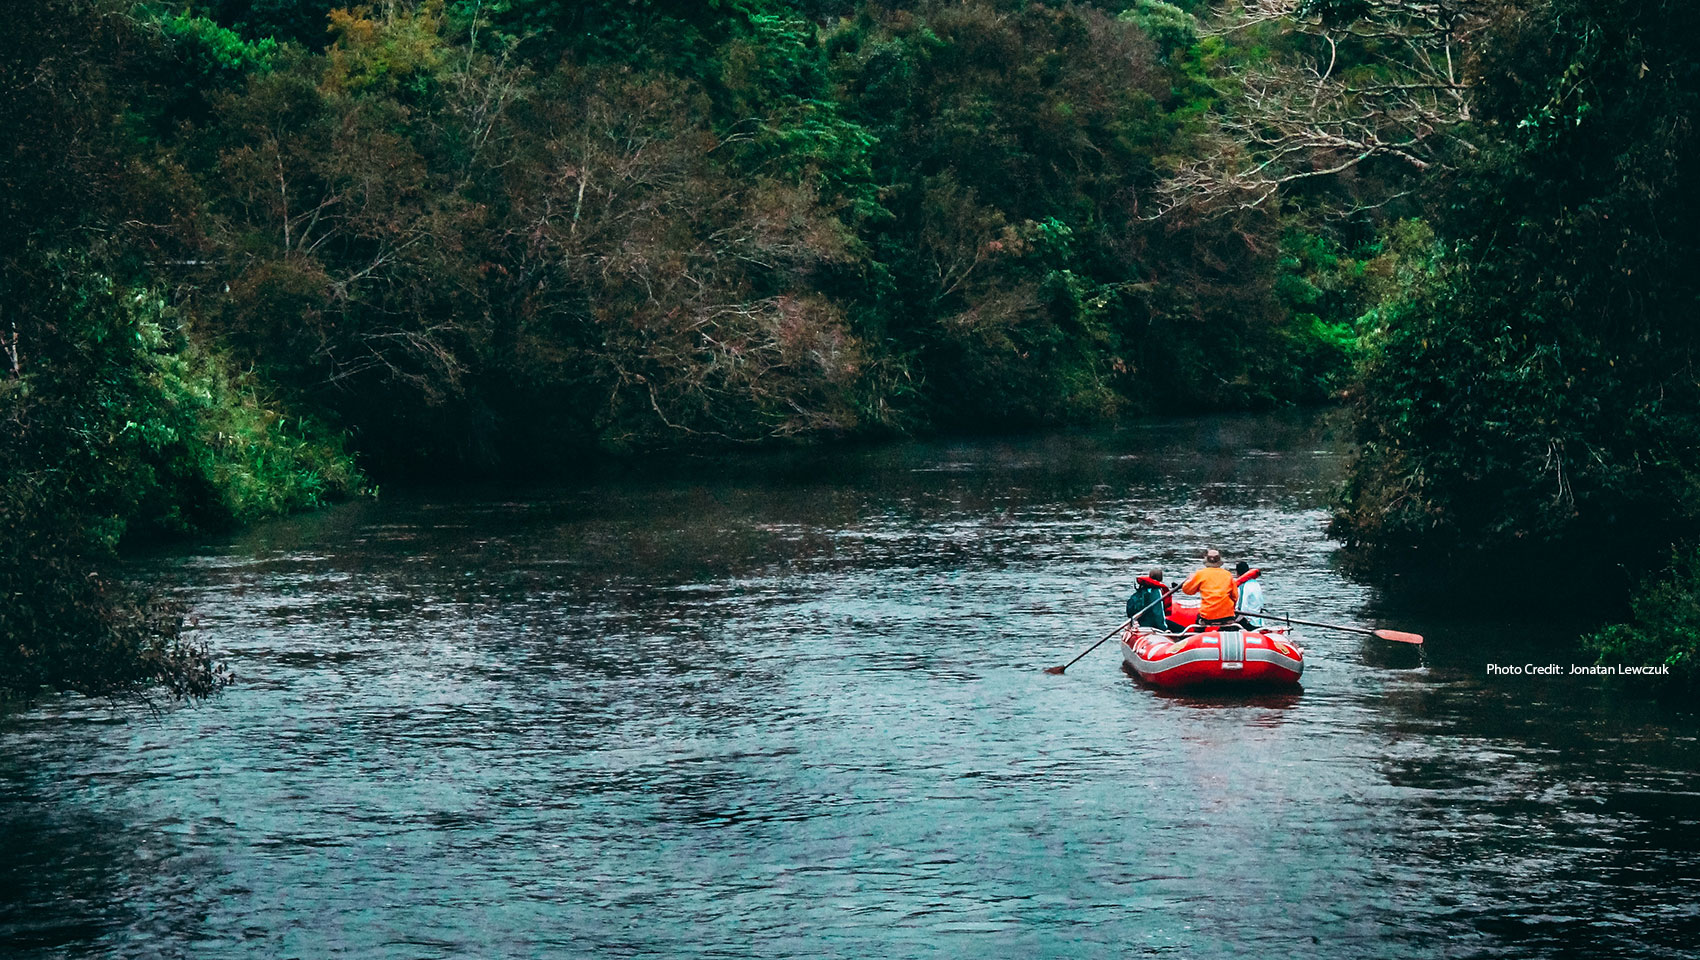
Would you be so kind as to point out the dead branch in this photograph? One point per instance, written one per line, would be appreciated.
(1301, 118)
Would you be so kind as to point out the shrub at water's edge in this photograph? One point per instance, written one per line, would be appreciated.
(119, 425)
(1666, 625)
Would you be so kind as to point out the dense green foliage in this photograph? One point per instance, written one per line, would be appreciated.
(1015, 151)
(122, 425)
(485, 234)
(1533, 398)
(118, 421)
(1665, 627)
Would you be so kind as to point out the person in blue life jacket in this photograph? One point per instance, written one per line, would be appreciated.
(1251, 596)
(1149, 593)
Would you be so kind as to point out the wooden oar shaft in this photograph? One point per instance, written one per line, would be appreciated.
(1119, 627)
(1093, 647)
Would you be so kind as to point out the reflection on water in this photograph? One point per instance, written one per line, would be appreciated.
(793, 706)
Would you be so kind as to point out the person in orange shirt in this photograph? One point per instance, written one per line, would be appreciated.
(1215, 589)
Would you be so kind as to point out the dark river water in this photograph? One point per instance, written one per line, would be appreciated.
(793, 706)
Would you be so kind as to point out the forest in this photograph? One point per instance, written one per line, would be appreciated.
(261, 255)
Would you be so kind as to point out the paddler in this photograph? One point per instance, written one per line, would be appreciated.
(1151, 590)
(1215, 589)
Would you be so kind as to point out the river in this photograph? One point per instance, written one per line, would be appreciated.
(793, 705)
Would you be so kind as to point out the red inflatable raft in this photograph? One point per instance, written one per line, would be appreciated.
(1218, 655)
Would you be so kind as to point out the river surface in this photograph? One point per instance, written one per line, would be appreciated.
(793, 706)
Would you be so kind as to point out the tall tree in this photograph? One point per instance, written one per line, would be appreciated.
(1539, 391)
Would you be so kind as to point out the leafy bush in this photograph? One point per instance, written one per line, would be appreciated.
(1666, 624)
(221, 451)
(118, 424)
(301, 21)
(212, 50)
(1171, 28)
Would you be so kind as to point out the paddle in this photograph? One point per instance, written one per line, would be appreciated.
(1397, 636)
(1160, 598)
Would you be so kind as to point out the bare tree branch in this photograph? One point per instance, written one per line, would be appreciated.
(1384, 84)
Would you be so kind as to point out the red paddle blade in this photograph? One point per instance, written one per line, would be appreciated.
(1057, 671)
(1398, 636)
